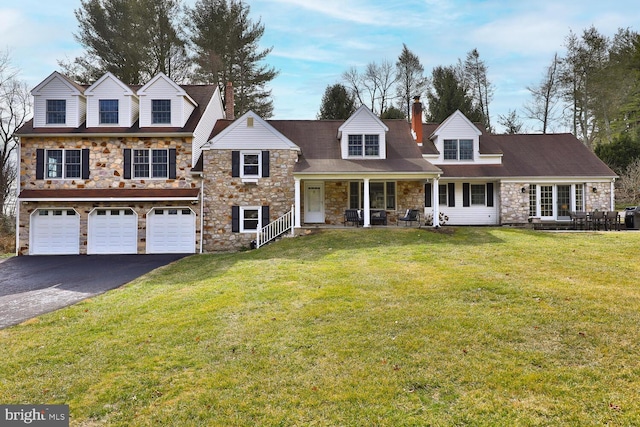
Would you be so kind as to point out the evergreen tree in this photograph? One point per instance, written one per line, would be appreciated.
(133, 39)
(337, 103)
(447, 94)
(226, 48)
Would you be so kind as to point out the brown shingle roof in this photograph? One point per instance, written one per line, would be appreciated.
(112, 193)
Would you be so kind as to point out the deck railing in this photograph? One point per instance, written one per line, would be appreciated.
(275, 229)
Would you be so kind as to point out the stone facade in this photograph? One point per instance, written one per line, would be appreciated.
(222, 192)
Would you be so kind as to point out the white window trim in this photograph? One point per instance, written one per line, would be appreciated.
(458, 159)
(117, 112)
(64, 163)
(572, 198)
(241, 218)
(150, 151)
(361, 195)
(250, 177)
(364, 146)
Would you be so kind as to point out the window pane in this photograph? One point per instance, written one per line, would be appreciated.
(141, 163)
(564, 200)
(160, 163)
(477, 194)
(442, 194)
(376, 195)
(250, 164)
(54, 163)
(371, 145)
(466, 149)
(391, 195)
(546, 200)
(354, 195)
(108, 111)
(161, 111)
(355, 145)
(451, 149)
(250, 219)
(72, 163)
(579, 197)
(56, 111)
(532, 200)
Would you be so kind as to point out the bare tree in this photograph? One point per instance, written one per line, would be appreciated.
(545, 97)
(475, 72)
(411, 81)
(373, 87)
(628, 186)
(15, 107)
(511, 122)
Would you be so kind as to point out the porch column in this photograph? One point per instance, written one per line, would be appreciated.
(367, 209)
(296, 221)
(435, 203)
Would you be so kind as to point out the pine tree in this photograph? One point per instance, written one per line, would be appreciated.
(337, 103)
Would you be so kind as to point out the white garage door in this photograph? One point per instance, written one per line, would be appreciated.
(171, 230)
(55, 232)
(112, 231)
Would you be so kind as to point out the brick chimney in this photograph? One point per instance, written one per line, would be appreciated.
(229, 110)
(416, 119)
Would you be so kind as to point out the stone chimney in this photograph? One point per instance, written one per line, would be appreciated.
(229, 110)
(416, 119)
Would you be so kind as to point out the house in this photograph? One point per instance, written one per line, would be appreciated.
(115, 168)
(107, 168)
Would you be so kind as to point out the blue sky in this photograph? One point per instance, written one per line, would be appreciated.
(314, 41)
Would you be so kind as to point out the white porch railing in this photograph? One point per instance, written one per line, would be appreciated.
(275, 229)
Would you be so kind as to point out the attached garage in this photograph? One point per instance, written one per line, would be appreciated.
(112, 231)
(54, 232)
(171, 230)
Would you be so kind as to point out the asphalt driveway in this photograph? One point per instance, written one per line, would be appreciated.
(34, 285)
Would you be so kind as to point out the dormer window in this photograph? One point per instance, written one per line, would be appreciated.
(458, 149)
(108, 111)
(370, 148)
(56, 111)
(161, 111)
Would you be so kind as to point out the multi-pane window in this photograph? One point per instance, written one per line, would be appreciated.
(458, 149)
(56, 111)
(160, 111)
(533, 200)
(108, 111)
(249, 218)
(63, 163)
(250, 164)
(546, 200)
(150, 163)
(355, 145)
(579, 197)
(382, 195)
(442, 194)
(370, 148)
(478, 194)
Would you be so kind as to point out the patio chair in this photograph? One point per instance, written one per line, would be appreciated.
(579, 220)
(379, 217)
(612, 221)
(353, 216)
(410, 216)
(597, 220)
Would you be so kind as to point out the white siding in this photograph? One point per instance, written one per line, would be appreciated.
(212, 113)
(110, 89)
(161, 88)
(470, 215)
(57, 89)
(249, 132)
(363, 122)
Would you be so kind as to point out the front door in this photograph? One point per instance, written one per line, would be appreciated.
(314, 202)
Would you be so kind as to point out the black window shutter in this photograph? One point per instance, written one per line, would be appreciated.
(172, 163)
(265, 164)
(85, 163)
(466, 194)
(451, 193)
(127, 163)
(235, 219)
(235, 164)
(490, 194)
(265, 216)
(428, 195)
(40, 163)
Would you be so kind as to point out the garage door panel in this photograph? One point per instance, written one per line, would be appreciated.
(113, 231)
(55, 232)
(171, 230)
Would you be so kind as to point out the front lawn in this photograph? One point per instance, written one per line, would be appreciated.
(379, 327)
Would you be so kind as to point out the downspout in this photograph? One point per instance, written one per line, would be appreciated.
(201, 213)
(18, 199)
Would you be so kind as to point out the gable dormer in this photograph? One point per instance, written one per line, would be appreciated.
(363, 136)
(457, 140)
(163, 103)
(58, 102)
(111, 103)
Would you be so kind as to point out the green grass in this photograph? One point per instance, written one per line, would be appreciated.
(380, 327)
